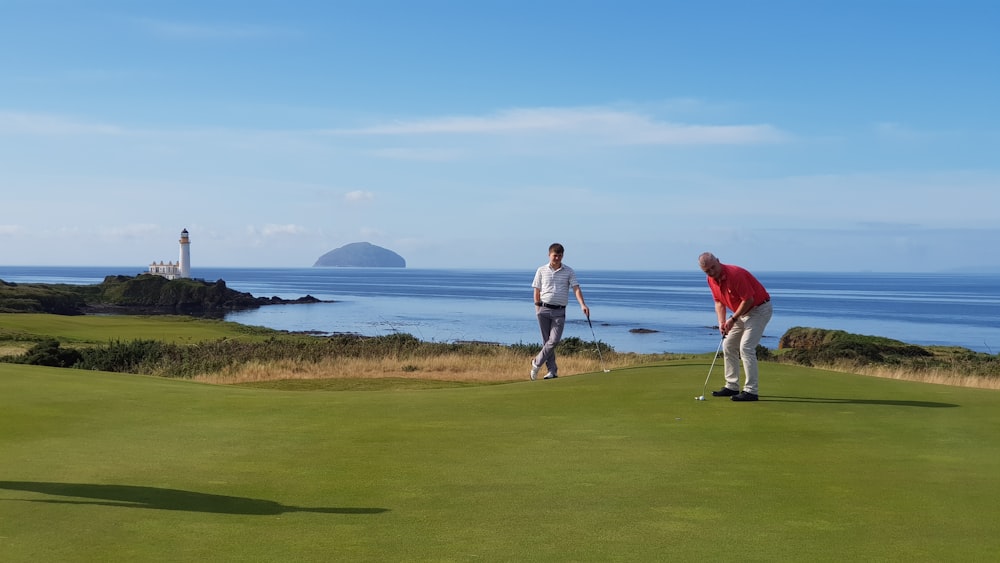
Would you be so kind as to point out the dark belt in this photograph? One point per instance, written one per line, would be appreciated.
(551, 306)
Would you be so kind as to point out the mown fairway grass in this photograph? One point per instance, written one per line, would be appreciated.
(625, 466)
(99, 329)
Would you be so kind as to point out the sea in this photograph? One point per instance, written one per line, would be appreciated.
(645, 312)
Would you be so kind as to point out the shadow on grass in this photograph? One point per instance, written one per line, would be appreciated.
(129, 496)
(833, 401)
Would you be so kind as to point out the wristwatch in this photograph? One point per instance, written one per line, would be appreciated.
(538, 303)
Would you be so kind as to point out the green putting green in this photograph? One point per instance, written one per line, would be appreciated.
(624, 466)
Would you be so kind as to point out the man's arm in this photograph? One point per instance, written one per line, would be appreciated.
(720, 313)
(743, 309)
(579, 297)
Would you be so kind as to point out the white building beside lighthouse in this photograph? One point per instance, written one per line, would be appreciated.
(170, 270)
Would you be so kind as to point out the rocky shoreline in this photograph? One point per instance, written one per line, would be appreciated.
(142, 294)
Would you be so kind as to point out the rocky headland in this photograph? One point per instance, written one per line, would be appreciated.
(144, 293)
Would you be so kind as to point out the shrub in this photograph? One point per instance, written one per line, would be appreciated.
(126, 357)
(574, 345)
(819, 347)
(49, 353)
(57, 299)
(763, 354)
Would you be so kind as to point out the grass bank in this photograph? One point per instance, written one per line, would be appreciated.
(21, 330)
(230, 353)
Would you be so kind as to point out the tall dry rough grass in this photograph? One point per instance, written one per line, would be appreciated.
(14, 349)
(498, 368)
(513, 366)
(938, 376)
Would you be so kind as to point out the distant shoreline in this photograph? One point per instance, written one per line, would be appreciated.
(438, 305)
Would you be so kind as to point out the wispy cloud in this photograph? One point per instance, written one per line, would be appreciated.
(211, 31)
(134, 231)
(10, 230)
(958, 198)
(592, 126)
(899, 132)
(22, 123)
(418, 154)
(607, 125)
(358, 196)
(280, 230)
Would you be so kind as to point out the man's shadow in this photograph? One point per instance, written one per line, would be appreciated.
(130, 496)
(848, 401)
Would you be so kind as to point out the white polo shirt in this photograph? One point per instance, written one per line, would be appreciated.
(554, 285)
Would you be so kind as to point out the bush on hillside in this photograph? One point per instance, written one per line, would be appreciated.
(123, 357)
(142, 293)
(763, 354)
(820, 347)
(152, 357)
(57, 299)
(567, 346)
(180, 294)
(49, 353)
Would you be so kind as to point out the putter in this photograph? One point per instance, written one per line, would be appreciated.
(707, 377)
(599, 354)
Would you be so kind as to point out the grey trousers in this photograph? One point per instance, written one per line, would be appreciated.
(551, 322)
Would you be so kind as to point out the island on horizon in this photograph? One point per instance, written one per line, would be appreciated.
(360, 255)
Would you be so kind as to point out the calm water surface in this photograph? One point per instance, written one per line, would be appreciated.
(496, 305)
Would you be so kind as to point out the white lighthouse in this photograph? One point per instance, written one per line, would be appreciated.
(185, 259)
(182, 269)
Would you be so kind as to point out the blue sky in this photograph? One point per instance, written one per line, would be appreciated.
(781, 135)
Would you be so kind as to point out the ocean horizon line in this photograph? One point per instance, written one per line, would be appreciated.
(451, 304)
(144, 269)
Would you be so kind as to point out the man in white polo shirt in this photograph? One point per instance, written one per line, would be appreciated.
(552, 284)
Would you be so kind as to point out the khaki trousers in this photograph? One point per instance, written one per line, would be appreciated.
(741, 344)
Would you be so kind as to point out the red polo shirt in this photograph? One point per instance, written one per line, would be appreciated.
(737, 285)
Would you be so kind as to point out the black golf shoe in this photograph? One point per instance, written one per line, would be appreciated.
(725, 392)
(743, 396)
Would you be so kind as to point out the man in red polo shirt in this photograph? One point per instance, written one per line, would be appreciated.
(736, 289)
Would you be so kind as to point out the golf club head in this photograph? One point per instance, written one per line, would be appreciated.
(701, 398)
(607, 371)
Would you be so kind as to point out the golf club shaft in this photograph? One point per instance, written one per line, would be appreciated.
(596, 343)
(709, 376)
